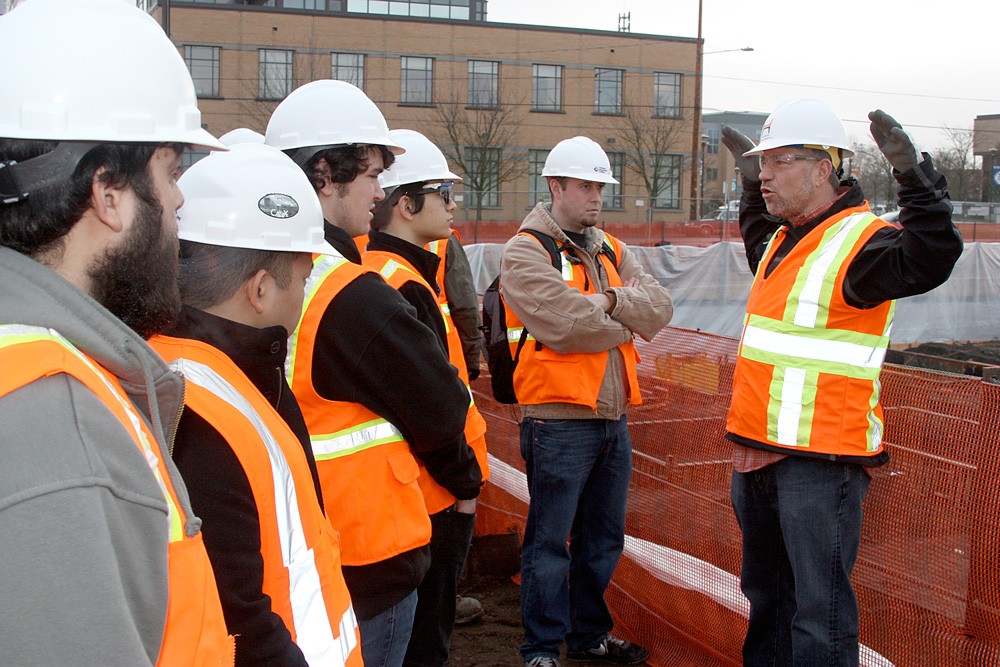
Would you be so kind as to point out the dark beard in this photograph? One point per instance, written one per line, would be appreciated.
(137, 280)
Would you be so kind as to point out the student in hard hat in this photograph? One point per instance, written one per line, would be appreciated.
(805, 415)
(417, 210)
(376, 389)
(574, 381)
(102, 562)
(248, 228)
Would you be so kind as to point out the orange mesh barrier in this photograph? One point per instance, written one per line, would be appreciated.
(928, 572)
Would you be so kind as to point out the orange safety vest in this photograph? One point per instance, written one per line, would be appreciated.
(440, 248)
(299, 549)
(545, 376)
(195, 629)
(367, 471)
(806, 377)
(397, 271)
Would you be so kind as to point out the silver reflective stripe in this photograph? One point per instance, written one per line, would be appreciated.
(363, 436)
(313, 631)
(514, 335)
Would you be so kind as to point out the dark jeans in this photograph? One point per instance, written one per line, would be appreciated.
(384, 637)
(578, 478)
(451, 535)
(801, 524)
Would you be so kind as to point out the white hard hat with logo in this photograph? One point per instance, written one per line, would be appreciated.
(421, 163)
(327, 113)
(241, 135)
(803, 121)
(581, 158)
(94, 71)
(252, 196)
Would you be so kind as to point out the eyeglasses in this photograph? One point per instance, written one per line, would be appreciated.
(443, 189)
(784, 160)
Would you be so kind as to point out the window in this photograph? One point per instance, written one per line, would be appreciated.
(539, 184)
(484, 84)
(304, 4)
(667, 177)
(484, 169)
(275, 74)
(711, 173)
(349, 67)
(546, 88)
(608, 90)
(417, 80)
(203, 63)
(712, 147)
(666, 95)
(613, 191)
(439, 9)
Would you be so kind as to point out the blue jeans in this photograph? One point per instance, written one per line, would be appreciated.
(578, 477)
(801, 524)
(384, 637)
(451, 535)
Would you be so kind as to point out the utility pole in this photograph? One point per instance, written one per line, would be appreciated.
(696, 120)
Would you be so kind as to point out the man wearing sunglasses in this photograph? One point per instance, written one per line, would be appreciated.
(805, 415)
(417, 210)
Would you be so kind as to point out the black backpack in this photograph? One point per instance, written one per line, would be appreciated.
(496, 348)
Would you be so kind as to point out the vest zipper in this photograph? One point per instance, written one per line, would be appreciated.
(180, 411)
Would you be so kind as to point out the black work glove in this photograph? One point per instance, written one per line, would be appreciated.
(893, 141)
(738, 144)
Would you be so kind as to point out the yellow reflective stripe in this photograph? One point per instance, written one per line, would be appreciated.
(809, 300)
(567, 268)
(433, 247)
(323, 266)
(355, 439)
(789, 420)
(14, 334)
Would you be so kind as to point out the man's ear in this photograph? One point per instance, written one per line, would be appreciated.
(321, 175)
(255, 289)
(108, 201)
(405, 206)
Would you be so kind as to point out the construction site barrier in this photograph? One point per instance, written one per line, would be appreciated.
(928, 571)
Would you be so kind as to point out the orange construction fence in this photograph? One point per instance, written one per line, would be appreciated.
(928, 572)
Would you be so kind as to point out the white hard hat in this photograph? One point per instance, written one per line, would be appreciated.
(802, 121)
(241, 135)
(422, 162)
(327, 113)
(252, 196)
(95, 71)
(581, 158)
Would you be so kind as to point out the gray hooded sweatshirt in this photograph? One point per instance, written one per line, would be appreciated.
(83, 567)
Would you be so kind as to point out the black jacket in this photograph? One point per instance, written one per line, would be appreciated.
(895, 263)
(220, 492)
(371, 349)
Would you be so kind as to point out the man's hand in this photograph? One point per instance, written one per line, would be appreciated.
(892, 140)
(738, 144)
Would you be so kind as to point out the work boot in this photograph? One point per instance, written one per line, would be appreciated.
(611, 650)
(467, 610)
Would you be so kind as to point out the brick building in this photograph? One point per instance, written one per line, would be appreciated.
(495, 96)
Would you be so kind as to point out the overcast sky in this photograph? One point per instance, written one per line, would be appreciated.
(930, 63)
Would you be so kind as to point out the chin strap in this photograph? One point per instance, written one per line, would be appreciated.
(19, 179)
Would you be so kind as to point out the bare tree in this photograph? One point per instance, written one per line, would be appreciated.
(480, 141)
(874, 174)
(651, 150)
(958, 164)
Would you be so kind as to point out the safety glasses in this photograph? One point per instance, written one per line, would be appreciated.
(777, 161)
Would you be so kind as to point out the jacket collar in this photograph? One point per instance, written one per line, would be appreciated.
(342, 242)
(422, 260)
(259, 353)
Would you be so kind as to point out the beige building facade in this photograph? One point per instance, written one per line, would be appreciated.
(495, 96)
